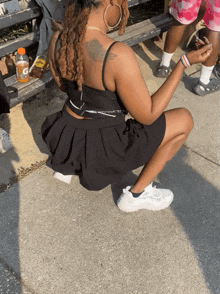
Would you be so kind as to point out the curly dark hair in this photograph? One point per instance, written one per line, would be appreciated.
(74, 27)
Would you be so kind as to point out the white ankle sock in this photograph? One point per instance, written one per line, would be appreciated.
(205, 74)
(166, 58)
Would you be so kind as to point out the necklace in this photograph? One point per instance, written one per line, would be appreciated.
(95, 28)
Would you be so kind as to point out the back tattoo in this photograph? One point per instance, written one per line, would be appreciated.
(96, 52)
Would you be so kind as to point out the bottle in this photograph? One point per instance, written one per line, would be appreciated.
(10, 64)
(39, 66)
(22, 66)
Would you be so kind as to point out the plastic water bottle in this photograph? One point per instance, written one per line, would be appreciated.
(22, 66)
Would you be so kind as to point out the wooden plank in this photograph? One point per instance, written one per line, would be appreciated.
(23, 41)
(132, 3)
(11, 81)
(147, 34)
(20, 16)
(158, 21)
(9, 7)
(131, 33)
(27, 90)
(2, 1)
(143, 30)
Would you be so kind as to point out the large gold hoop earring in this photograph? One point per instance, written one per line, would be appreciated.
(109, 27)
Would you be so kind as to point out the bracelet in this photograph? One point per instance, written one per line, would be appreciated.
(185, 60)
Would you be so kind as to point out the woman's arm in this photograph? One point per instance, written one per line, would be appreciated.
(132, 89)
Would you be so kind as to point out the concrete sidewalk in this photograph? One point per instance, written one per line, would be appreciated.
(58, 238)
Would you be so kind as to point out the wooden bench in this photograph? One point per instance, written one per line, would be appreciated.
(133, 35)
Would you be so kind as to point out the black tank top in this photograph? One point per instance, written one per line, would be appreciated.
(91, 102)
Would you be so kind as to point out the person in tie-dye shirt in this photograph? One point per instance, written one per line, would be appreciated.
(185, 12)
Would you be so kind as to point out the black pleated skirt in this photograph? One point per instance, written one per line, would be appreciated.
(99, 151)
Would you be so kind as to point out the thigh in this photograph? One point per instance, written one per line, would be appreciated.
(178, 122)
(185, 11)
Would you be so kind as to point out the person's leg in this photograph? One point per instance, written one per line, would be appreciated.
(217, 68)
(211, 19)
(143, 195)
(184, 13)
(206, 85)
(173, 38)
(213, 37)
(179, 123)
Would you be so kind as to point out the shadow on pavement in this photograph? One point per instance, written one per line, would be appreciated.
(196, 205)
(155, 51)
(9, 244)
(9, 225)
(190, 83)
(47, 102)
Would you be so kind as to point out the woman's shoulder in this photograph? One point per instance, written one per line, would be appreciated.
(122, 55)
(122, 49)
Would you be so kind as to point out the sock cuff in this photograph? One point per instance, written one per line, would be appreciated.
(166, 58)
(204, 67)
(168, 54)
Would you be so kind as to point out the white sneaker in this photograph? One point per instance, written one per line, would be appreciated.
(63, 178)
(150, 199)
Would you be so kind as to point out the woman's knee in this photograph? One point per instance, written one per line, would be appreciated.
(178, 122)
(187, 119)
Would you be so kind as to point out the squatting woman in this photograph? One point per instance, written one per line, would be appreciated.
(102, 78)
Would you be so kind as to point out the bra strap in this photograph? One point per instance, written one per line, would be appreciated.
(104, 63)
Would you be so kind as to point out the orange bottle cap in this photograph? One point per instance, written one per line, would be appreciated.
(21, 51)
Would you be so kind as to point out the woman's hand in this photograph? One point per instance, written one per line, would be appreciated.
(203, 52)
